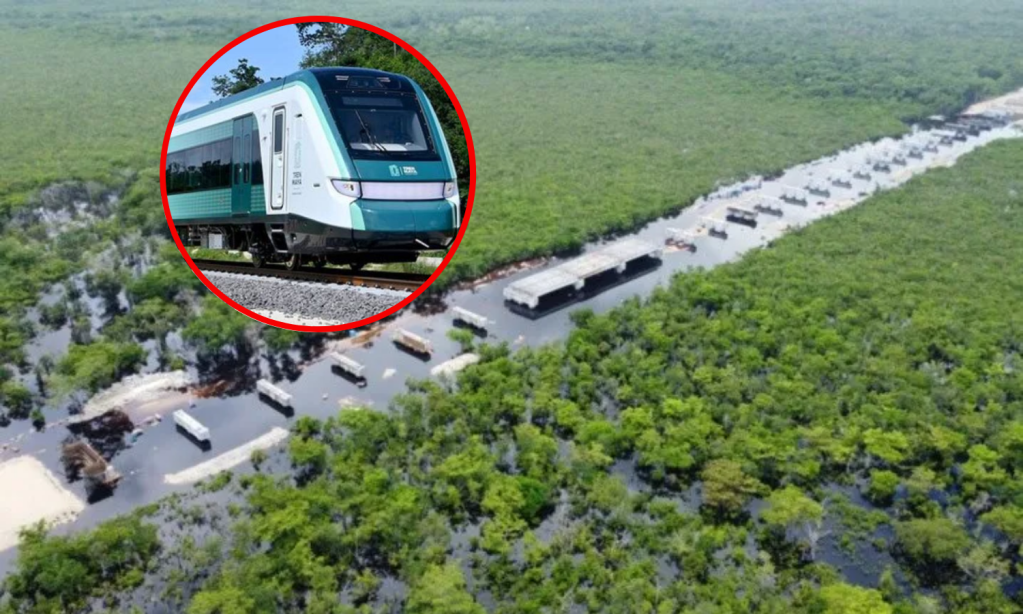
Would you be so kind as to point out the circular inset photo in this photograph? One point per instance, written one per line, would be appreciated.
(319, 173)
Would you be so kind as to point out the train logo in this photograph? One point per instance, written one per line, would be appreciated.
(395, 171)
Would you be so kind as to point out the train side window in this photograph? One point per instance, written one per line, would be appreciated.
(278, 132)
(173, 173)
(257, 158)
(193, 162)
(209, 179)
(246, 154)
(237, 160)
(225, 163)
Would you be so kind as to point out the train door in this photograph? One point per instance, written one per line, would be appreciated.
(241, 174)
(277, 170)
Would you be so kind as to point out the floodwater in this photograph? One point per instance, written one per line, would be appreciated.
(318, 390)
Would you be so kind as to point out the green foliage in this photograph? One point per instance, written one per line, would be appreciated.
(1009, 520)
(441, 590)
(164, 281)
(726, 488)
(217, 483)
(280, 339)
(16, 398)
(790, 506)
(59, 573)
(847, 599)
(841, 349)
(238, 79)
(883, 484)
(258, 457)
(97, 365)
(463, 337)
(936, 542)
(219, 329)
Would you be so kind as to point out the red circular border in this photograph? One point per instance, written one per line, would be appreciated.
(468, 203)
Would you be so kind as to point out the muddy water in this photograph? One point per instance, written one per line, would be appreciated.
(318, 391)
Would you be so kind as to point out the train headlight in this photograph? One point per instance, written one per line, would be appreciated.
(450, 189)
(348, 188)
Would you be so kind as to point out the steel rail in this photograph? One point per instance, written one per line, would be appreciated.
(370, 279)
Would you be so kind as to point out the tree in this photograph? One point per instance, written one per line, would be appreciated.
(931, 544)
(983, 562)
(442, 590)
(1009, 520)
(238, 79)
(219, 327)
(463, 337)
(97, 365)
(59, 573)
(888, 446)
(883, 484)
(793, 512)
(981, 472)
(726, 488)
(223, 597)
(843, 598)
(280, 339)
(16, 397)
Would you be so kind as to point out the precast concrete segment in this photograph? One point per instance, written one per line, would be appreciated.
(574, 273)
(227, 460)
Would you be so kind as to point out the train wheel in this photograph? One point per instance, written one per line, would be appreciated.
(257, 261)
(294, 262)
(320, 262)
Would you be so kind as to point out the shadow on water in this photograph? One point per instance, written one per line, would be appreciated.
(358, 381)
(283, 367)
(96, 492)
(105, 433)
(480, 333)
(742, 221)
(228, 375)
(423, 356)
(205, 446)
(556, 301)
(285, 410)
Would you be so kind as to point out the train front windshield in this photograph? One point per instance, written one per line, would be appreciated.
(382, 125)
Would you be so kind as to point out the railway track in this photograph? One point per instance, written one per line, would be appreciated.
(370, 279)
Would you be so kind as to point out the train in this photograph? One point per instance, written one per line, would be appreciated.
(345, 166)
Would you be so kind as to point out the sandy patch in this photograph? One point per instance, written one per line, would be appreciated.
(1011, 102)
(30, 494)
(227, 460)
(144, 390)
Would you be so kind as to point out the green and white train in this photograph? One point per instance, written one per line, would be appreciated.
(338, 165)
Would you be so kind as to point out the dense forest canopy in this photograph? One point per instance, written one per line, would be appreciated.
(849, 397)
(739, 442)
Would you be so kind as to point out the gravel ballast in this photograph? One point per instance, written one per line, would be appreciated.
(325, 302)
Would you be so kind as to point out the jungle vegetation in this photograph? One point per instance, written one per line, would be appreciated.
(846, 360)
(621, 112)
(850, 396)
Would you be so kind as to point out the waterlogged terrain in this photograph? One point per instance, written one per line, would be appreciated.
(844, 396)
(236, 415)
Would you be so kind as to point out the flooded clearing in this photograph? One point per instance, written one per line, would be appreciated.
(716, 229)
(141, 395)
